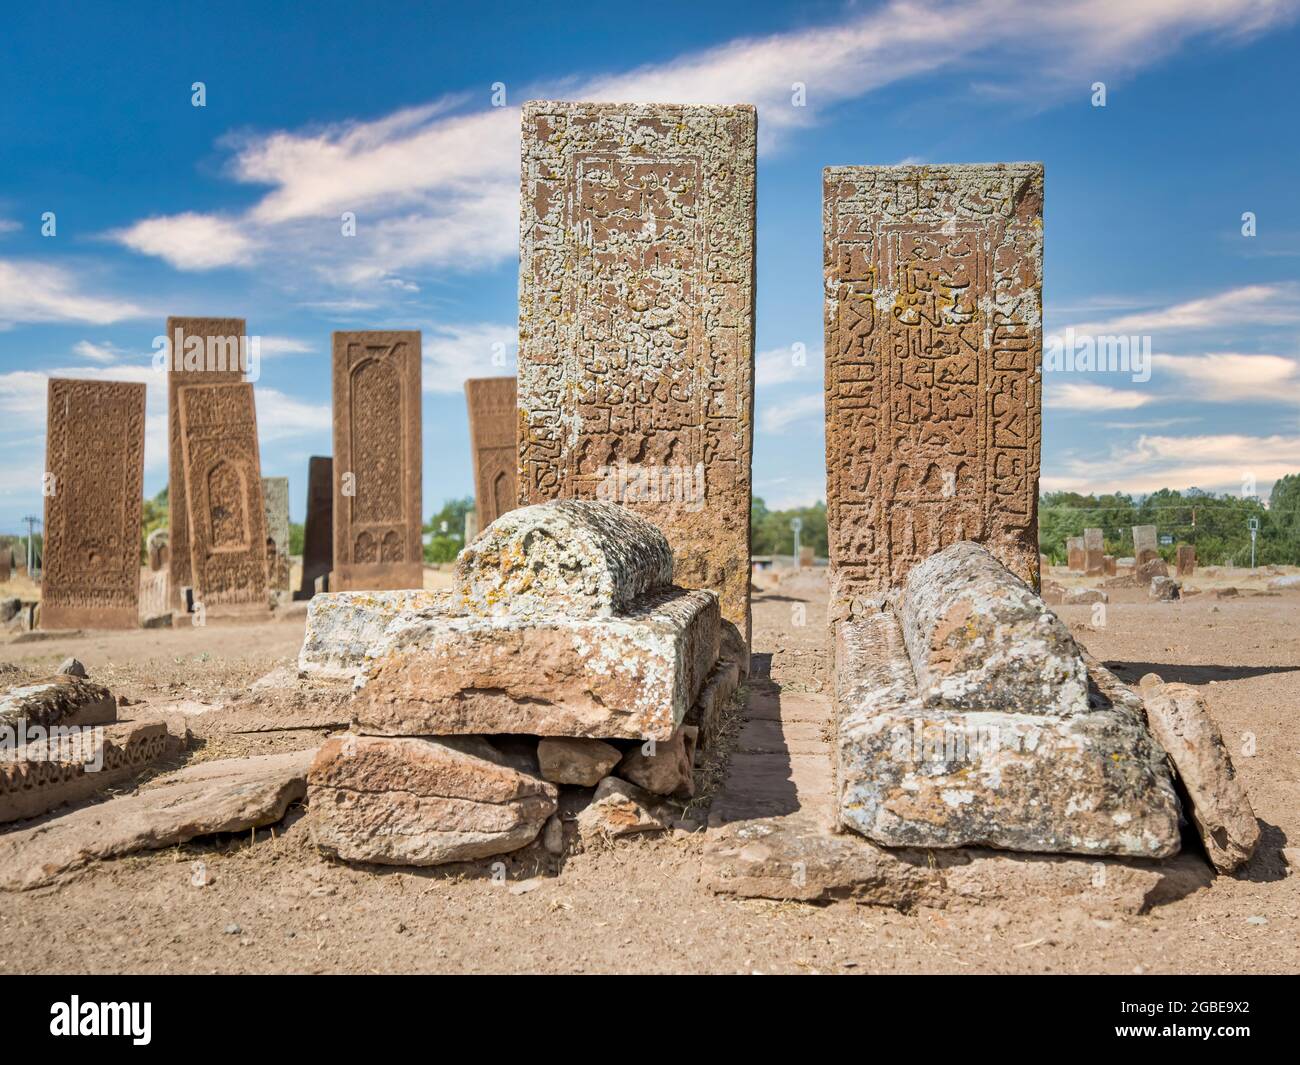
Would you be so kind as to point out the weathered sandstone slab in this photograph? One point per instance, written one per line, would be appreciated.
(63, 699)
(232, 795)
(581, 762)
(342, 625)
(632, 676)
(980, 638)
(572, 558)
(622, 809)
(666, 768)
(411, 801)
(911, 774)
(790, 858)
(1221, 809)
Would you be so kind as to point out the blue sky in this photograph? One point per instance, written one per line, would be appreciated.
(385, 110)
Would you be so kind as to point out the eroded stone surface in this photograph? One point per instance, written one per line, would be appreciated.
(933, 351)
(275, 498)
(569, 558)
(409, 801)
(980, 638)
(666, 768)
(910, 774)
(493, 422)
(622, 809)
(636, 317)
(63, 699)
(1221, 809)
(793, 859)
(631, 676)
(1145, 543)
(222, 796)
(94, 465)
(341, 626)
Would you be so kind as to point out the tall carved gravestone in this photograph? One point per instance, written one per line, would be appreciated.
(94, 463)
(200, 354)
(223, 494)
(493, 420)
(636, 323)
(1144, 544)
(1074, 554)
(1094, 551)
(377, 526)
(318, 529)
(933, 361)
(275, 497)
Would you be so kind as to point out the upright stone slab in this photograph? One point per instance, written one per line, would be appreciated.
(1075, 559)
(933, 356)
(1186, 560)
(318, 530)
(94, 463)
(636, 323)
(1094, 552)
(493, 420)
(199, 352)
(377, 526)
(1145, 547)
(223, 495)
(275, 497)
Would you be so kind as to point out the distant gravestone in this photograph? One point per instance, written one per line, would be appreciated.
(223, 493)
(156, 550)
(94, 476)
(377, 460)
(933, 353)
(275, 498)
(1186, 560)
(199, 352)
(1074, 553)
(1108, 566)
(318, 529)
(637, 321)
(1094, 551)
(493, 420)
(1144, 544)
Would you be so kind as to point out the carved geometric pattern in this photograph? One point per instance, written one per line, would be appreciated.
(933, 364)
(493, 420)
(636, 320)
(95, 463)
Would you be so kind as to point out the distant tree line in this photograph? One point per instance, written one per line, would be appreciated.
(1217, 525)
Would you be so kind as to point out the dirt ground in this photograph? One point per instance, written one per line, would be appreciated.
(271, 904)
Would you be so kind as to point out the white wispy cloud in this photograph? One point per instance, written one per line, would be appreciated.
(8, 225)
(1247, 305)
(1213, 462)
(1231, 377)
(434, 187)
(455, 353)
(779, 416)
(39, 292)
(1090, 397)
(789, 365)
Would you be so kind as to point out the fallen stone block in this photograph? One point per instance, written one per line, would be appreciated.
(415, 801)
(232, 795)
(710, 705)
(979, 637)
(1225, 593)
(63, 699)
(622, 809)
(911, 774)
(581, 762)
(1182, 724)
(664, 767)
(55, 771)
(633, 676)
(342, 625)
(1085, 597)
(794, 859)
(1278, 584)
(1150, 569)
(571, 558)
(1163, 588)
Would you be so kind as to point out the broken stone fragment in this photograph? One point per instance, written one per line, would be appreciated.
(582, 762)
(916, 775)
(231, 795)
(1085, 596)
(572, 558)
(622, 809)
(1221, 809)
(665, 768)
(632, 676)
(342, 625)
(980, 638)
(1163, 588)
(415, 801)
(72, 667)
(63, 699)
